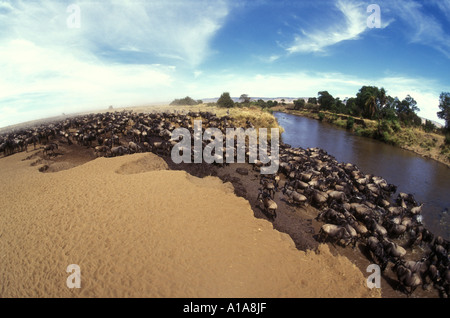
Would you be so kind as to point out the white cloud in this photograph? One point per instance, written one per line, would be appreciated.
(349, 26)
(182, 28)
(444, 6)
(268, 59)
(47, 68)
(171, 28)
(54, 82)
(423, 28)
(5, 6)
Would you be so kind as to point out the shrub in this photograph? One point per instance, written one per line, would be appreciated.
(299, 104)
(395, 125)
(429, 126)
(447, 138)
(321, 116)
(225, 100)
(186, 101)
(350, 122)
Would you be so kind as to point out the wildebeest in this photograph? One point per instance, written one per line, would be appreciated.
(117, 151)
(408, 279)
(294, 197)
(269, 205)
(101, 151)
(50, 147)
(161, 147)
(337, 234)
(133, 147)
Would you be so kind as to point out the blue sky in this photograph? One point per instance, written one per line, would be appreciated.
(128, 53)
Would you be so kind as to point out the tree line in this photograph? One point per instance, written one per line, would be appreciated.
(373, 103)
(370, 102)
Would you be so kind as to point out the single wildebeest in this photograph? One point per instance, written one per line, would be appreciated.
(51, 147)
(270, 206)
(337, 233)
(408, 279)
(117, 151)
(133, 147)
(294, 197)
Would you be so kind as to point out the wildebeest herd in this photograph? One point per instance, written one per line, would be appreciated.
(355, 208)
(110, 134)
(362, 208)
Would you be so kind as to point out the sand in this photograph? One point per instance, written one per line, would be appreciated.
(137, 229)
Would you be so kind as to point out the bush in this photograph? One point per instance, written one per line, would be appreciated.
(186, 101)
(321, 116)
(385, 126)
(364, 132)
(225, 100)
(429, 126)
(447, 138)
(350, 122)
(396, 125)
(386, 137)
(310, 106)
(299, 104)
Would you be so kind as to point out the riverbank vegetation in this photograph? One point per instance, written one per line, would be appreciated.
(244, 115)
(371, 113)
(374, 114)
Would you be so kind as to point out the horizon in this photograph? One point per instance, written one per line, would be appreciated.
(69, 57)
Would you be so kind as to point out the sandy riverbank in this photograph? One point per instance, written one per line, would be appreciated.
(137, 229)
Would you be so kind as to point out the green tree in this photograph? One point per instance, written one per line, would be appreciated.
(429, 126)
(368, 100)
(261, 103)
(312, 100)
(299, 104)
(339, 106)
(244, 99)
(326, 100)
(352, 108)
(271, 103)
(225, 101)
(444, 106)
(186, 101)
(388, 111)
(371, 100)
(406, 111)
(370, 107)
(382, 98)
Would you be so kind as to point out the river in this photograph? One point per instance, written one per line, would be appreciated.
(426, 179)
